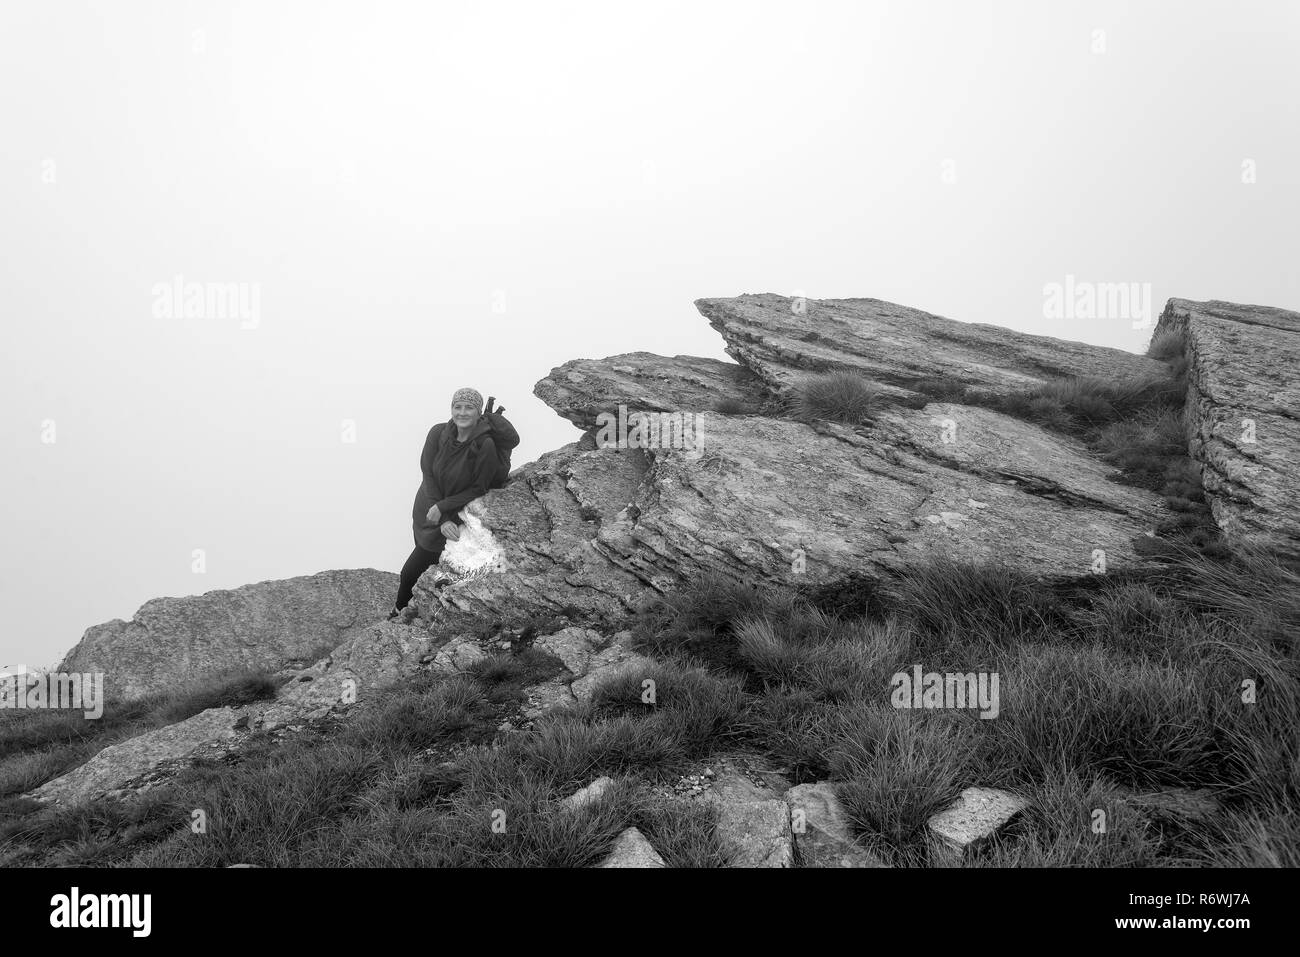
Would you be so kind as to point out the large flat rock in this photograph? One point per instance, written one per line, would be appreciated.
(782, 339)
(1243, 414)
(120, 763)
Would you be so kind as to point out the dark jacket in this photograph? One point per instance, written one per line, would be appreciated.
(453, 474)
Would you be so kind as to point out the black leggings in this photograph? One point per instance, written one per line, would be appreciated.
(415, 566)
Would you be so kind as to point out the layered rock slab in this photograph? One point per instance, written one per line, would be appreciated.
(770, 491)
(783, 339)
(1243, 416)
(583, 389)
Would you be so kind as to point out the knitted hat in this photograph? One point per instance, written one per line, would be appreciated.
(468, 395)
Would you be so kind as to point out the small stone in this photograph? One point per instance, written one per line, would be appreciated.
(632, 850)
(753, 823)
(975, 816)
(585, 796)
(821, 829)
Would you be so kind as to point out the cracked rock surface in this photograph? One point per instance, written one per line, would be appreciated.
(600, 529)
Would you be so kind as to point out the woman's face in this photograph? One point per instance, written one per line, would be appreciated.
(464, 414)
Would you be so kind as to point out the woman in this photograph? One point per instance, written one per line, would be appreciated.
(457, 465)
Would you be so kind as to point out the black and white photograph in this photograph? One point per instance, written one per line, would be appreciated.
(852, 436)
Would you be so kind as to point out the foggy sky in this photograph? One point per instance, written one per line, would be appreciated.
(427, 196)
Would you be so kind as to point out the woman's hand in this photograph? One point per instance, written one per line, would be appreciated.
(450, 531)
(433, 515)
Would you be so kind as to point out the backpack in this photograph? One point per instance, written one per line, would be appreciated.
(504, 437)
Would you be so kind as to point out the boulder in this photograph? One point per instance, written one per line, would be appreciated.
(457, 655)
(589, 659)
(269, 625)
(573, 646)
(1243, 416)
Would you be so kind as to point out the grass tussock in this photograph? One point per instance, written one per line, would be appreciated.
(1130, 686)
(841, 396)
(731, 407)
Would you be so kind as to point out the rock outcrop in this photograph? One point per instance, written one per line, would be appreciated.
(1243, 415)
(588, 533)
(268, 625)
(779, 501)
(592, 531)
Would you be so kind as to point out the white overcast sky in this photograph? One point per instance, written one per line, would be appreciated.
(429, 195)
